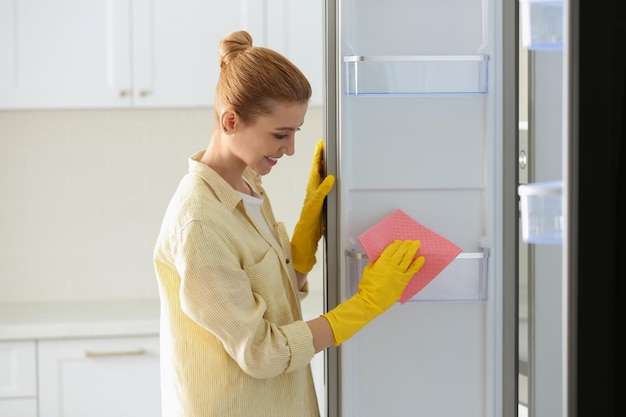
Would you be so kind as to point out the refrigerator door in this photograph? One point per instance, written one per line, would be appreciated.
(422, 117)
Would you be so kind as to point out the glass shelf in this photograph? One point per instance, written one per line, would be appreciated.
(464, 279)
(415, 74)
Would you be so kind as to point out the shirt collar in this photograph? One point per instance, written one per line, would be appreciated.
(226, 194)
(222, 190)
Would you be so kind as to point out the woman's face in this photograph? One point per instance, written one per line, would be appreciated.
(263, 143)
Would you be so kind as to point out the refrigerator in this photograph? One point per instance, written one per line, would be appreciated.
(422, 116)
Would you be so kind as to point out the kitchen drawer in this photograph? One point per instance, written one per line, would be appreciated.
(99, 377)
(17, 370)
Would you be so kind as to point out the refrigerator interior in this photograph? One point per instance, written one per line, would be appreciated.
(418, 129)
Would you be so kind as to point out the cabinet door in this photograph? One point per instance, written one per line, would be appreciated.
(296, 30)
(18, 388)
(64, 53)
(175, 47)
(18, 407)
(99, 378)
(17, 369)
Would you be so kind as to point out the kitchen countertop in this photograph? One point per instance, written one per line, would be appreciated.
(76, 319)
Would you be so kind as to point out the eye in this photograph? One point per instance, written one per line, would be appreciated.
(282, 135)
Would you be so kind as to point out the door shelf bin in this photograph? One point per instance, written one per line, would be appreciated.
(464, 279)
(541, 209)
(416, 74)
(542, 24)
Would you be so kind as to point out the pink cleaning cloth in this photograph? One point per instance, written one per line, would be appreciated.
(436, 249)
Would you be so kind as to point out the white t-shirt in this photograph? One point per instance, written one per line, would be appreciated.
(253, 206)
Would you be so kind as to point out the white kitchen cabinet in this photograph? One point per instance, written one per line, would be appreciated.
(116, 53)
(18, 388)
(296, 29)
(18, 407)
(99, 377)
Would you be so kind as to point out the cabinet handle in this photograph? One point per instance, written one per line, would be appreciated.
(124, 93)
(104, 354)
(144, 93)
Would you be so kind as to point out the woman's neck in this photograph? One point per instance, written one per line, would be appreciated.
(231, 169)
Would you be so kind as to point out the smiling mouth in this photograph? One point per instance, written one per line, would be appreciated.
(272, 159)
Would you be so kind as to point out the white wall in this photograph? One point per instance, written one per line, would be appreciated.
(83, 194)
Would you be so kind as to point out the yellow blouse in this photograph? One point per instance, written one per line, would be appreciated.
(233, 342)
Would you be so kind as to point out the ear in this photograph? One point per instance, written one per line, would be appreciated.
(227, 120)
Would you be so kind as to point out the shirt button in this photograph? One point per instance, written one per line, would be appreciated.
(287, 261)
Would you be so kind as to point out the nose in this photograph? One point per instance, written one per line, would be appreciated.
(289, 147)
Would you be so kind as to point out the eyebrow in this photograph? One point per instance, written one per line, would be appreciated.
(290, 129)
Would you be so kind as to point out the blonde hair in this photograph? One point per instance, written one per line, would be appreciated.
(253, 79)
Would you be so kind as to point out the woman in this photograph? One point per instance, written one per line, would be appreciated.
(233, 342)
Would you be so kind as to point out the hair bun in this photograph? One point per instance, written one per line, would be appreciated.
(232, 45)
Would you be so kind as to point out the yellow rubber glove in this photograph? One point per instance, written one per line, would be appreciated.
(381, 286)
(310, 226)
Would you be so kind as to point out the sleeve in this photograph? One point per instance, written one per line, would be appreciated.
(216, 293)
(304, 291)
